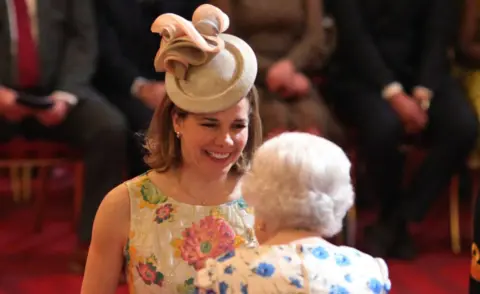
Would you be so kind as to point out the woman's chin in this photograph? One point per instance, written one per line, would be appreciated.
(216, 170)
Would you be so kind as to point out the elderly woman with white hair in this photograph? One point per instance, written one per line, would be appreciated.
(300, 188)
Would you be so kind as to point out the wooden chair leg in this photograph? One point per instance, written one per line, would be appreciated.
(27, 183)
(455, 216)
(40, 198)
(78, 193)
(16, 183)
(474, 196)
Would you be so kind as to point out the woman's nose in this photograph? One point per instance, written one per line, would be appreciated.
(224, 139)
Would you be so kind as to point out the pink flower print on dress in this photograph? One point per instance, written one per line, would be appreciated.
(149, 274)
(209, 238)
(164, 213)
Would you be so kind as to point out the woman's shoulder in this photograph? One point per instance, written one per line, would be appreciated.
(117, 202)
(354, 267)
(358, 256)
(343, 256)
(112, 220)
(117, 197)
(137, 181)
(284, 266)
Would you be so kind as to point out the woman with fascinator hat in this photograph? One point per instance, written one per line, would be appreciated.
(166, 223)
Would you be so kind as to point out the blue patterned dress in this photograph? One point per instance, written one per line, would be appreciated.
(319, 267)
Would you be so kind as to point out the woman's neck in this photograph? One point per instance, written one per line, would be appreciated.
(293, 236)
(205, 190)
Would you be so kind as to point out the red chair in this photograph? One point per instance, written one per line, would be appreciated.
(22, 157)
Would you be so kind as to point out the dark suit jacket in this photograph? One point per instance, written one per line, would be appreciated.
(127, 46)
(67, 46)
(381, 41)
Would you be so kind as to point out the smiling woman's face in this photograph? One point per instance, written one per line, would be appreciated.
(212, 143)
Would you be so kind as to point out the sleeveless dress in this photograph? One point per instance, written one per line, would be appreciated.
(170, 241)
(315, 268)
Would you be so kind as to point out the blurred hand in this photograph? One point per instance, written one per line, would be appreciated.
(152, 93)
(423, 96)
(9, 108)
(301, 84)
(411, 114)
(280, 76)
(53, 116)
(299, 87)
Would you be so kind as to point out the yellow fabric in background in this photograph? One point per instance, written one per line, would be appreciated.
(470, 79)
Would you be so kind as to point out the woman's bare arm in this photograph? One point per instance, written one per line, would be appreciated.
(110, 233)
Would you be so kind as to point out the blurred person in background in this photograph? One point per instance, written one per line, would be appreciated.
(125, 73)
(300, 189)
(391, 76)
(289, 40)
(165, 223)
(467, 57)
(468, 60)
(48, 53)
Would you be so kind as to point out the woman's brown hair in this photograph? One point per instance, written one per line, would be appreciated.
(163, 146)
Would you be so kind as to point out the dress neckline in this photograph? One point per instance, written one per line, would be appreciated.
(240, 201)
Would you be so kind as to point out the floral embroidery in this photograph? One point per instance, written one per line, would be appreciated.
(209, 238)
(188, 287)
(164, 213)
(243, 205)
(296, 282)
(250, 234)
(226, 256)
(229, 270)
(128, 258)
(216, 212)
(223, 287)
(264, 269)
(337, 289)
(341, 259)
(239, 241)
(129, 252)
(149, 194)
(195, 232)
(376, 286)
(320, 253)
(281, 269)
(148, 272)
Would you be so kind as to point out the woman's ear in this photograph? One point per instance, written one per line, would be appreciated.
(177, 122)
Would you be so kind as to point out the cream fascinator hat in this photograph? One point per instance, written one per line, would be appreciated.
(206, 71)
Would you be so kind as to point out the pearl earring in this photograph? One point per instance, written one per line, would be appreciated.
(178, 134)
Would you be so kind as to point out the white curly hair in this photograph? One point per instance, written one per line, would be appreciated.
(300, 181)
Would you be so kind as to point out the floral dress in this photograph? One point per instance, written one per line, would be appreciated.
(169, 241)
(318, 267)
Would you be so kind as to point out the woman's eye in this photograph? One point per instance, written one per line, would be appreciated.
(209, 125)
(239, 126)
